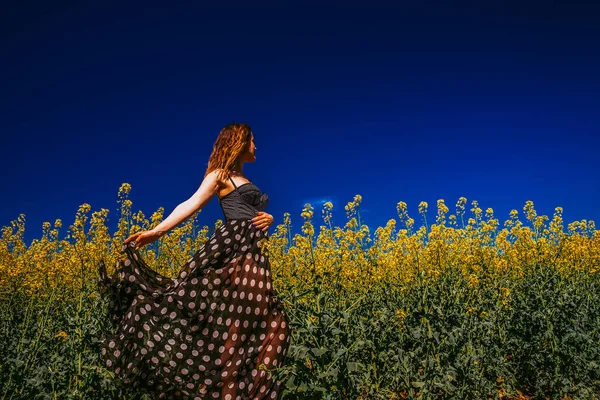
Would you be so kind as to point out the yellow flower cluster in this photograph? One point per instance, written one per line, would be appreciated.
(347, 257)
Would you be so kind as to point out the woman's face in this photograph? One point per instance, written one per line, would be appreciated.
(250, 155)
(252, 146)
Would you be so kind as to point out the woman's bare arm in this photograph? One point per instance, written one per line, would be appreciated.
(196, 202)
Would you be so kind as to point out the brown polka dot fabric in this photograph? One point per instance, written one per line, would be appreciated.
(214, 332)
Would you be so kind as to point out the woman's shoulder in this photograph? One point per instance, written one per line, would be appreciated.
(219, 176)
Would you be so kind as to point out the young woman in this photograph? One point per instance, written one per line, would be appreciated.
(206, 333)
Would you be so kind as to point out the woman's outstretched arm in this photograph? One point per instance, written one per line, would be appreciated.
(196, 202)
(183, 211)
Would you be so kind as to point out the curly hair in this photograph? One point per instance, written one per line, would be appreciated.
(233, 141)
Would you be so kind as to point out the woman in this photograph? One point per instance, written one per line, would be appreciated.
(207, 333)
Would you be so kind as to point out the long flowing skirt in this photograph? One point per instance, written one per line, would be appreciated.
(214, 332)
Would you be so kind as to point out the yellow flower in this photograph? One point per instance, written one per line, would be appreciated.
(62, 335)
(401, 315)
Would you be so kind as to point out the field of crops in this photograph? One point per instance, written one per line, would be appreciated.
(462, 307)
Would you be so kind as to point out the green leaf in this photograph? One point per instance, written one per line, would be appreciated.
(318, 352)
(353, 366)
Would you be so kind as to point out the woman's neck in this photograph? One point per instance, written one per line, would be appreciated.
(237, 172)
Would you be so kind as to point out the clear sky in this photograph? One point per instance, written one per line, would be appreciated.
(496, 102)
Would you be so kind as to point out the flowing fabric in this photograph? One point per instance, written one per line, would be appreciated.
(214, 332)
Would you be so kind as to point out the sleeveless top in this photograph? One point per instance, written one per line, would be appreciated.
(243, 202)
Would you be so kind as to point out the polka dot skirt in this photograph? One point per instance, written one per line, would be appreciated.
(214, 332)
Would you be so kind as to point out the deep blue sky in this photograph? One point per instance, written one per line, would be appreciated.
(494, 102)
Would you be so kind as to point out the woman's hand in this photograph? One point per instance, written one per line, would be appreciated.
(143, 238)
(262, 220)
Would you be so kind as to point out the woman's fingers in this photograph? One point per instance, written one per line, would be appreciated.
(139, 241)
(266, 221)
(262, 220)
(130, 238)
(135, 237)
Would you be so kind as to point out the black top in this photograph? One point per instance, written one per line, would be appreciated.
(243, 202)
